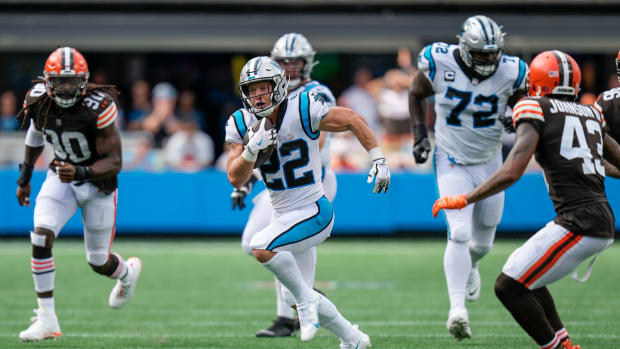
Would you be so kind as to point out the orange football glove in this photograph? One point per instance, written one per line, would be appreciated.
(449, 202)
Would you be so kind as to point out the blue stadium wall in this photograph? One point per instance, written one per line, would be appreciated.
(178, 203)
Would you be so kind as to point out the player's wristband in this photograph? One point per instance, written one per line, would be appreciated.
(25, 174)
(248, 155)
(376, 153)
(419, 132)
(83, 173)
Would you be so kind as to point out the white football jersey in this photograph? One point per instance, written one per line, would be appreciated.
(293, 173)
(330, 100)
(466, 125)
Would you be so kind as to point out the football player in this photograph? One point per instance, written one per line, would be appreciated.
(472, 83)
(303, 216)
(608, 103)
(295, 55)
(78, 119)
(569, 142)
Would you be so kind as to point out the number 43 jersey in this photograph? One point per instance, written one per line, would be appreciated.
(293, 173)
(570, 151)
(466, 109)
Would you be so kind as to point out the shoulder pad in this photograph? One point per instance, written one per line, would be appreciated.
(35, 92)
(98, 101)
(527, 108)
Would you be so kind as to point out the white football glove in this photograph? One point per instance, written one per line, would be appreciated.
(258, 141)
(379, 172)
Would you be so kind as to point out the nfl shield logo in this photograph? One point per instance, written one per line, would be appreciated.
(475, 81)
(58, 122)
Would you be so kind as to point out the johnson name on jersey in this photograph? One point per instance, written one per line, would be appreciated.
(570, 151)
(466, 109)
(327, 95)
(293, 173)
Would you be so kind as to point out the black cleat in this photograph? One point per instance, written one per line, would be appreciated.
(281, 327)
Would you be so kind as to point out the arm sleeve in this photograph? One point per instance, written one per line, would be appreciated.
(426, 63)
(318, 109)
(106, 117)
(34, 137)
(235, 128)
(529, 110)
(521, 77)
(326, 93)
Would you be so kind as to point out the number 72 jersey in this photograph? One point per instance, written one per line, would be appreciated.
(466, 109)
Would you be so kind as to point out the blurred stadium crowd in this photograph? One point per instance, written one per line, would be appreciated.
(175, 106)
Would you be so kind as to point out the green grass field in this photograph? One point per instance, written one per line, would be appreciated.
(207, 294)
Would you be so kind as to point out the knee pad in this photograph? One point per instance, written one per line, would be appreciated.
(288, 297)
(479, 249)
(462, 233)
(97, 258)
(42, 238)
(245, 246)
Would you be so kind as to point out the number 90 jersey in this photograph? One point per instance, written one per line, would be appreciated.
(72, 131)
(466, 126)
(293, 173)
(570, 151)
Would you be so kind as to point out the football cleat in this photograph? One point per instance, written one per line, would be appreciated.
(568, 345)
(308, 313)
(122, 293)
(458, 324)
(44, 326)
(472, 291)
(281, 327)
(363, 341)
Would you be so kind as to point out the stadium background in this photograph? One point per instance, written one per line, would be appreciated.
(200, 45)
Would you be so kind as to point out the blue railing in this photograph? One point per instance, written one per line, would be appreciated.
(179, 203)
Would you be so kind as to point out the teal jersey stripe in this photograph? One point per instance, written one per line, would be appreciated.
(306, 228)
(240, 123)
(522, 69)
(429, 57)
(304, 114)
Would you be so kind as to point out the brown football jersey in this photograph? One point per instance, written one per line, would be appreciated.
(570, 151)
(608, 103)
(73, 131)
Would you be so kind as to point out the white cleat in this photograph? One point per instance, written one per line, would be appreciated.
(44, 326)
(308, 313)
(472, 291)
(362, 343)
(121, 294)
(458, 324)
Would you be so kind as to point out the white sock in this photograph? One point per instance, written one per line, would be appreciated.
(122, 271)
(47, 304)
(457, 265)
(331, 319)
(285, 269)
(283, 310)
(43, 273)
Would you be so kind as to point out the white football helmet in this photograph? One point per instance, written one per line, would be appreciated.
(295, 46)
(258, 69)
(481, 44)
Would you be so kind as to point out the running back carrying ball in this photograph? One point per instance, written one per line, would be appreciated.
(264, 154)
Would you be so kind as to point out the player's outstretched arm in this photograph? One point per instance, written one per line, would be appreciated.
(611, 155)
(340, 119)
(504, 177)
(420, 89)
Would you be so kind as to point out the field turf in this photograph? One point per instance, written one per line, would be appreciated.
(206, 293)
